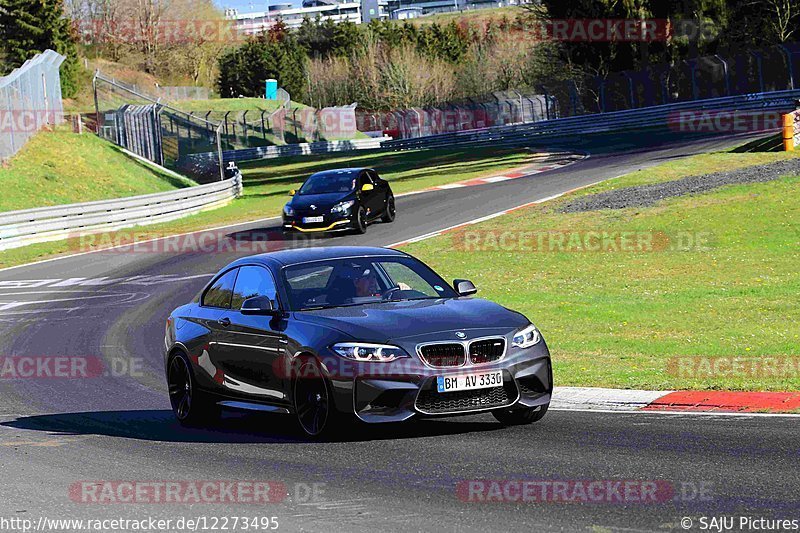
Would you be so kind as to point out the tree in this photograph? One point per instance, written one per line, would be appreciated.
(274, 54)
(30, 27)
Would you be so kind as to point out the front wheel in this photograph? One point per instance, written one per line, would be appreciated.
(361, 221)
(520, 416)
(389, 214)
(312, 400)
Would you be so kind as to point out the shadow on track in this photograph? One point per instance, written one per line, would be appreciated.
(235, 427)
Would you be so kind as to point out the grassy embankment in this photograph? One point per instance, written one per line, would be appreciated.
(59, 167)
(625, 319)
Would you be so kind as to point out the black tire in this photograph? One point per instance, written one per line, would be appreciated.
(520, 416)
(312, 398)
(389, 213)
(360, 224)
(190, 406)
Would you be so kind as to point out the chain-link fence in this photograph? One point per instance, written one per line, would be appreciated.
(764, 70)
(30, 99)
(159, 132)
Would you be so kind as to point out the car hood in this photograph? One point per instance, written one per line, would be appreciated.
(323, 201)
(384, 322)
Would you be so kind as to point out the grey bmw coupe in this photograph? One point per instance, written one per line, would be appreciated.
(369, 334)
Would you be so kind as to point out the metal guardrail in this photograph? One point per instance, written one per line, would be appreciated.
(18, 228)
(271, 152)
(662, 117)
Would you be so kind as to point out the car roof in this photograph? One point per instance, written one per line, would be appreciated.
(333, 171)
(293, 256)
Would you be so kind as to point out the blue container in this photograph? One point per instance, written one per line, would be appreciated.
(272, 90)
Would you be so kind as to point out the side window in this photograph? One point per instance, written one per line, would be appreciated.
(366, 178)
(252, 281)
(374, 177)
(219, 295)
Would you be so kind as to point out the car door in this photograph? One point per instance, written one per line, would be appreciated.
(215, 302)
(371, 200)
(382, 188)
(252, 347)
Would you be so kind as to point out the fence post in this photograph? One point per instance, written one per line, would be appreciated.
(760, 71)
(219, 154)
(263, 129)
(725, 72)
(789, 64)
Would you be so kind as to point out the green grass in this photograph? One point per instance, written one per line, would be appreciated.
(406, 171)
(477, 16)
(267, 184)
(59, 167)
(617, 319)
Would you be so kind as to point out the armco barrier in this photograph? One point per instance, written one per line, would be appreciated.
(663, 117)
(270, 152)
(18, 228)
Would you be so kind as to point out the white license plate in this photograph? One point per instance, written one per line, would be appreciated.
(457, 382)
(312, 220)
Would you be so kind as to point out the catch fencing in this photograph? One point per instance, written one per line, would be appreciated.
(155, 130)
(272, 152)
(683, 120)
(30, 99)
(766, 70)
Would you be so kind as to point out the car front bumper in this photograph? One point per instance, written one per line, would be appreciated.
(330, 222)
(392, 392)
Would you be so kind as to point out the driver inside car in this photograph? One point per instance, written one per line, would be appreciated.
(367, 284)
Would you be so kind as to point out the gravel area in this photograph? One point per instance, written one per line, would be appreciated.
(647, 195)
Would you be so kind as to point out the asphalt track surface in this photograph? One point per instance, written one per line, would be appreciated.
(112, 305)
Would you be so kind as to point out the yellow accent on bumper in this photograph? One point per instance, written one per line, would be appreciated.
(311, 230)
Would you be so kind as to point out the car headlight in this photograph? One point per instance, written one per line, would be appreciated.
(526, 337)
(362, 351)
(342, 207)
(288, 211)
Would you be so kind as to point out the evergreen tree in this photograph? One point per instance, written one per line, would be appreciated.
(29, 27)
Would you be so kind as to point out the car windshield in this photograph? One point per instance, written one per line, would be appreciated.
(329, 182)
(362, 280)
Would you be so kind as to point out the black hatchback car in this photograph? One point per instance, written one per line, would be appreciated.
(350, 332)
(336, 200)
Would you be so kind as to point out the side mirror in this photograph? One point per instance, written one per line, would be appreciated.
(292, 192)
(260, 305)
(367, 187)
(464, 287)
